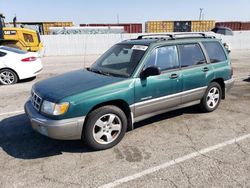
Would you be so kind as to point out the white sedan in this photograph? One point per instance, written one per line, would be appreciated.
(16, 65)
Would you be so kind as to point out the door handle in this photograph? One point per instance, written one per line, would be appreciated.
(205, 69)
(174, 76)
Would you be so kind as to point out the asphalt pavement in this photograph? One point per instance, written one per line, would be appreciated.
(182, 148)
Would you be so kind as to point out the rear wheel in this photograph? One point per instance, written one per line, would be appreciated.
(8, 77)
(212, 98)
(105, 127)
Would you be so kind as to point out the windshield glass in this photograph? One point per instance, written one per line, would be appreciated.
(120, 60)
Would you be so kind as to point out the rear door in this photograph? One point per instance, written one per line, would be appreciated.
(195, 71)
(218, 59)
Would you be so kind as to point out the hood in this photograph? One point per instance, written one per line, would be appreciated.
(59, 87)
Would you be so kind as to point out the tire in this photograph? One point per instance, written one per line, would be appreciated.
(212, 98)
(8, 77)
(105, 127)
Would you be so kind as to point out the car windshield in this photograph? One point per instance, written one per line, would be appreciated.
(15, 50)
(120, 60)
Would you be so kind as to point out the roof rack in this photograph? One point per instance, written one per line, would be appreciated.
(157, 36)
(176, 36)
(191, 35)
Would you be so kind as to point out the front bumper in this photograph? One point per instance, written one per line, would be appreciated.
(229, 84)
(66, 129)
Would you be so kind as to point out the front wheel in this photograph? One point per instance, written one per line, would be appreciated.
(105, 127)
(212, 98)
(8, 77)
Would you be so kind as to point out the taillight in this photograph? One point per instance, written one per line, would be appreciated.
(28, 59)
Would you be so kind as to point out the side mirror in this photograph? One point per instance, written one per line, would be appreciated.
(228, 51)
(150, 71)
(227, 47)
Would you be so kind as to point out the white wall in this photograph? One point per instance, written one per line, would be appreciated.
(66, 45)
(240, 40)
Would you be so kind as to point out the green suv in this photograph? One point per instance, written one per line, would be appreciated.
(134, 80)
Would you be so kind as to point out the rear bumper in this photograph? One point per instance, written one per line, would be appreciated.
(30, 71)
(229, 84)
(67, 129)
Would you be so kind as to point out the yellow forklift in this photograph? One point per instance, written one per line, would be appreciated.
(22, 38)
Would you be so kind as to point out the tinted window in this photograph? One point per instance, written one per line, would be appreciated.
(215, 51)
(28, 37)
(164, 57)
(191, 54)
(15, 50)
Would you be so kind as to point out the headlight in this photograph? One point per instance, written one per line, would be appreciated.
(53, 108)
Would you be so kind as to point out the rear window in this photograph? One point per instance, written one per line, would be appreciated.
(15, 50)
(215, 51)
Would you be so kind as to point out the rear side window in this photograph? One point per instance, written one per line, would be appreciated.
(215, 51)
(190, 55)
(166, 58)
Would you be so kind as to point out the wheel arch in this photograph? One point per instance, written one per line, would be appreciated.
(123, 105)
(221, 82)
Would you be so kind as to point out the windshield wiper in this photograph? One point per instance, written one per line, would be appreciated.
(120, 75)
(99, 72)
(108, 73)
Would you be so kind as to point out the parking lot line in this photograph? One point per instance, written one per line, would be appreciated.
(174, 162)
(15, 112)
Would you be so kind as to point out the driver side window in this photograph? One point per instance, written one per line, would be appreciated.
(166, 58)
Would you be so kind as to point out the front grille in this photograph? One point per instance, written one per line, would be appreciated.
(36, 100)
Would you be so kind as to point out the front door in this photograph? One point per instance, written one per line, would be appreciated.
(158, 93)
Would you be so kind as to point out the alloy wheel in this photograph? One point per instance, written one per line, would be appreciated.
(213, 97)
(107, 128)
(7, 77)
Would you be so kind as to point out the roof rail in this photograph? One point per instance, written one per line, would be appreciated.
(190, 34)
(158, 36)
(177, 35)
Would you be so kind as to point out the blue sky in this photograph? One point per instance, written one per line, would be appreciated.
(105, 11)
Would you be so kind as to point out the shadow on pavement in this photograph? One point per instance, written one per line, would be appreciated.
(168, 115)
(247, 79)
(19, 140)
(27, 80)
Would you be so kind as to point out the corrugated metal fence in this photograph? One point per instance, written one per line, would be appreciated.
(65, 45)
(70, 45)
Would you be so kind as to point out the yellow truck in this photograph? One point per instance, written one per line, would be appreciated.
(25, 39)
